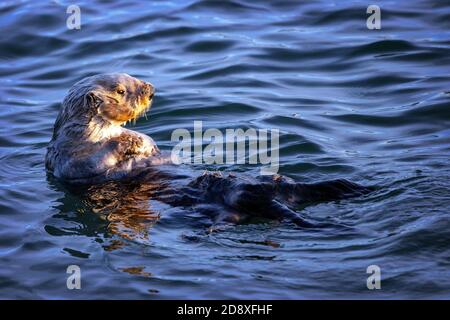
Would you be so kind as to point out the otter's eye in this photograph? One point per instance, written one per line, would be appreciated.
(120, 91)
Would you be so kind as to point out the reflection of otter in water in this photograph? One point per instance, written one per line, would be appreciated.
(89, 146)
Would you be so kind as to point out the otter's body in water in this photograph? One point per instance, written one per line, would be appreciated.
(90, 146)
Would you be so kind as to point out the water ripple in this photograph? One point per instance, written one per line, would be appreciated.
(371, 106)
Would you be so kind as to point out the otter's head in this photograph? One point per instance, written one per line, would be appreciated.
(112, 99)
(118, 97)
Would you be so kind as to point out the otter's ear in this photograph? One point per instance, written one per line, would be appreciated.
(93, 99)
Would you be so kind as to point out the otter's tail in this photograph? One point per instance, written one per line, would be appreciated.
(275, 198)
(280, 198)
(304, 193)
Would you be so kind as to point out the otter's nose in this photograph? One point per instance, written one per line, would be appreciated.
(148, 90)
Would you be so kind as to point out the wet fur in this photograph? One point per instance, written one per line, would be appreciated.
(89, 146)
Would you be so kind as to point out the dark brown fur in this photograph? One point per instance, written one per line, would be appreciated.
(89, 146)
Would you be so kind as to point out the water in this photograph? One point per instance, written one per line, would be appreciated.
(372, 106)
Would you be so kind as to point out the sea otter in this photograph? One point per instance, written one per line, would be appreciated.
(90, 146)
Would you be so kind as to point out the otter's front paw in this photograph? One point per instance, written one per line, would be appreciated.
(136, 145)
(126, 145)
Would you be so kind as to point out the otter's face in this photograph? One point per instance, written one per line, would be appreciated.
(120, 97)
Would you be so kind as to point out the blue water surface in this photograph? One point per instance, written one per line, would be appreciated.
(372, 106)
